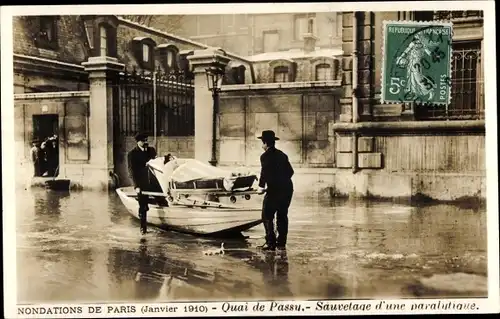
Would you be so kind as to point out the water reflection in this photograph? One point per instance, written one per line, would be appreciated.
(274, 267)
(276, 274)
(148, 281)
(84, 246)
(47, 208)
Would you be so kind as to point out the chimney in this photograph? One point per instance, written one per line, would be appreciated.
(309, 37)
(309, 42)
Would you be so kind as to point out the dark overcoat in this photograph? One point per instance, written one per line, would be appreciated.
(276, 172)
(138, 171)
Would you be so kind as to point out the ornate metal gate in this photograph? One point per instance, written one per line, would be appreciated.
(147, 100)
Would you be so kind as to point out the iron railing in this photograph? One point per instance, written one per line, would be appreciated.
(174, 108)
(467, 89)
(457, 15)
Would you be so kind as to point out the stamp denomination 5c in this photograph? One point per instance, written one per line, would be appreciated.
(417, 62)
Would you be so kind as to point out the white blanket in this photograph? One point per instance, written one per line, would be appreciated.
(187, 169)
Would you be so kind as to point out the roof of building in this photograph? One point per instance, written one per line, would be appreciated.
(295, 54)
(180, 39)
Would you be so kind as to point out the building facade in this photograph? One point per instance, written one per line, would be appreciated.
(254, 34)
(406, 149)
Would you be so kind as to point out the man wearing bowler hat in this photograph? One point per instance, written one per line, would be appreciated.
(276, 181)
(137, 159)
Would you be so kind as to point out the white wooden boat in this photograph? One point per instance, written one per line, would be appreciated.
(188, 198)
(193, 215)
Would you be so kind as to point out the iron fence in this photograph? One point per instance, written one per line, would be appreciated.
(453, 15)
(467, 89)
(142, 94)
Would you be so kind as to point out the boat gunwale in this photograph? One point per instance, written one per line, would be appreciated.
(186, 206)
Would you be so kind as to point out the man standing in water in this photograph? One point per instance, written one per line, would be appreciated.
(137, 159)
(276, 174)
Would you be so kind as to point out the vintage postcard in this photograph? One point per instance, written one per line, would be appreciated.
(249, 159)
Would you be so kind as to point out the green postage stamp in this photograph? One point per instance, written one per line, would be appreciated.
(416, 63)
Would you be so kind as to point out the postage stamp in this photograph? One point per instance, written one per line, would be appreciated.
(416, 63)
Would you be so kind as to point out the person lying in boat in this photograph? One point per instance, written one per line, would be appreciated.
(182, 176)
(169, 157)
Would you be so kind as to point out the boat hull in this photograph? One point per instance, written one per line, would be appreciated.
(193, 220)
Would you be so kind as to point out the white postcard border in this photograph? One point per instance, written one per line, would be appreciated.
(490, 304)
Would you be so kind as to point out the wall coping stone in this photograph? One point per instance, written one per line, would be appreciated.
(51, 95)
(412, 126)
(281, 85)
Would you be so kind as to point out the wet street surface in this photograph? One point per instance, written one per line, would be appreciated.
(84, 247)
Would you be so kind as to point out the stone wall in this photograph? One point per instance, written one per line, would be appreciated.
(37, 83)
(71, 39)
(300, 116)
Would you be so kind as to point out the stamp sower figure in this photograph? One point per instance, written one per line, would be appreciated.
(137, 159)
(275, 180)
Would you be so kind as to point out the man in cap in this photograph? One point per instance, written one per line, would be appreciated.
(276, 181)
(137, 159)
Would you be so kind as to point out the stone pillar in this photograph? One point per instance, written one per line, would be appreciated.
(102, 70)
(203, 101)
(366, 67)
(346, 68)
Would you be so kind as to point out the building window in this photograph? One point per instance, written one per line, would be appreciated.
(169, 57)
(283, 70)
(324, 72)
(234, 75)
(239, 74)
(103, 36)
(184, 65)
(421, 16)
(144, 52)
(467, 90)
(271, 41)
(304, 24)
(47, 35)
(310, 25)
(281, 74)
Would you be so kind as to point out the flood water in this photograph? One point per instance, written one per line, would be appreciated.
(83, 246)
